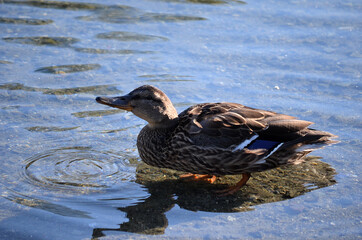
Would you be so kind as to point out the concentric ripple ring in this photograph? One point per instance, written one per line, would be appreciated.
(77, 167)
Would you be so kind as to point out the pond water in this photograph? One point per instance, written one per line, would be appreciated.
(70, 168)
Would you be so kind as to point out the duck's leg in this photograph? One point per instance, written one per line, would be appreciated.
(233, 189)
(199, 177)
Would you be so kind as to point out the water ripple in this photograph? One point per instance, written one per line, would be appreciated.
(45, 205)
(61, 69)
(109, 13)
(129, 36)
(5, 62)
(43, 40)
(166, 78)
(26, 21)
(120, 15)
(111, 51)
(56, 4)
(49, 129)
(96, 90)
(77, 168)
(98, 113)
(204, 1)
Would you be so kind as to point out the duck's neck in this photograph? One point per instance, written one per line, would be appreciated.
(152, 141)
(165, 124)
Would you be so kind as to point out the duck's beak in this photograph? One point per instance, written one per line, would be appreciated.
(116, 102)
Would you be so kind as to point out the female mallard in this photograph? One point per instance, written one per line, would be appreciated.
(213, 139)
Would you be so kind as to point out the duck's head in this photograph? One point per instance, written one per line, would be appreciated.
(146, 102)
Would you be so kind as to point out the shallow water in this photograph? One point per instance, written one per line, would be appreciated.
(70, 167)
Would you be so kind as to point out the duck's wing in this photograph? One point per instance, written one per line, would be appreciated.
(235, 126)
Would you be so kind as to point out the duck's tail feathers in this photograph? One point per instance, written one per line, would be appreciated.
(294, 151)
(312, 140)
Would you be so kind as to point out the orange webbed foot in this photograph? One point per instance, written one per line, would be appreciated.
(199, 177)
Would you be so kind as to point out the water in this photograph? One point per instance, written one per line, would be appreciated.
(70, 168)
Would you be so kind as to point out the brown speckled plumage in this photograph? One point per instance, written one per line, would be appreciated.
(216, 138)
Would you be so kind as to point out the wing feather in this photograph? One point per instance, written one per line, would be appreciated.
(228, 125)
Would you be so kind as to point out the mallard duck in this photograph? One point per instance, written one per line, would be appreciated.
(214, 139)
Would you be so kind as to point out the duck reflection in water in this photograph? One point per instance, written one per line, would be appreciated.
(166, 191)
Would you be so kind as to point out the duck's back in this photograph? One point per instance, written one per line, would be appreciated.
(234, 126)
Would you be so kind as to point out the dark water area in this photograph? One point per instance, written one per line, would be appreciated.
(70, 167)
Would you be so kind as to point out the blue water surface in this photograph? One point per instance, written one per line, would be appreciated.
(69, 165)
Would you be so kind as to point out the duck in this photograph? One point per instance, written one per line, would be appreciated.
(210, 140)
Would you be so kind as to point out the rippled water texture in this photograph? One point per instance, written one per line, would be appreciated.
(70, 168)
(76, 167)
